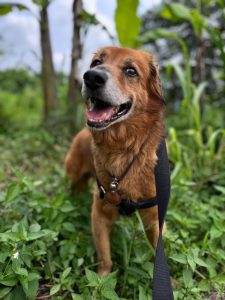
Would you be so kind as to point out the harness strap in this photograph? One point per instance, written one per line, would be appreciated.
(127, 207)
(162, 289)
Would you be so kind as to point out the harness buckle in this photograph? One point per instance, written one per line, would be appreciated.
(114, 184)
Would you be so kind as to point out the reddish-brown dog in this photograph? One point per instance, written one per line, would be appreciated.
(125, 125)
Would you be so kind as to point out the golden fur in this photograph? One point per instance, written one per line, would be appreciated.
(108, 152)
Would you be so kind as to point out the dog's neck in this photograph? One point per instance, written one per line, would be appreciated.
(115, 148)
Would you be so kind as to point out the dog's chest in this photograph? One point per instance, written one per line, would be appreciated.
(137, 184)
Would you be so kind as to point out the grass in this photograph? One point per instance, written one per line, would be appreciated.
(46, 245)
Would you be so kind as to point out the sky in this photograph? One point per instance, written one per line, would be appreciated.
(19, 33)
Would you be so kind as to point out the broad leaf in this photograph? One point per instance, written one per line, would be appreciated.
(91, 276)
(187, 276)
(13, 191)
(4, 292)
(109, 294)
(55, 289)
(127, 22)
(159, 33)
(66, 273)
(176, 11)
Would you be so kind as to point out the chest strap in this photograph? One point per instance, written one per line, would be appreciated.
(127, 207)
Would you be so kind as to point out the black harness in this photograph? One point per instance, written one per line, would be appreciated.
(162, 289)
(127, 207)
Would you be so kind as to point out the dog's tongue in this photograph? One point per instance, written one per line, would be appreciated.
(100, 114)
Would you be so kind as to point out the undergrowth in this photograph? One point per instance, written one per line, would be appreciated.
(46, 245)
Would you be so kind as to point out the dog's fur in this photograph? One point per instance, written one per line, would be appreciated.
(109, 151)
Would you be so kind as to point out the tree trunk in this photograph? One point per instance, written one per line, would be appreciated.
(74, 86)
(48, 74)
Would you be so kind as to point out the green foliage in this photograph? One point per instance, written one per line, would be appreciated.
(91, 19)
(42, 3)
(45, 240)
(17, 80)
(20, 99)
(45, 233)
(127, 22)
(7, 7)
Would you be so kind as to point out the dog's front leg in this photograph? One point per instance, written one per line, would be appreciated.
(149, 218)
(103, 216)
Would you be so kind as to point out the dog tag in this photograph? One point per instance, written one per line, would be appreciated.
(112, 198)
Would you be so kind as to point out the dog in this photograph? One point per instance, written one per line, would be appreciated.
(125, 109)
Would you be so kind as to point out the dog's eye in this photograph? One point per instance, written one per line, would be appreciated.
(96, 62)
(130, 71)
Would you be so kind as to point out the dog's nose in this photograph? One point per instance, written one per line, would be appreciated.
(95, 78)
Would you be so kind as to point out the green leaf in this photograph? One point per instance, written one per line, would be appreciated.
(220, 188)
(4, 292)
(204, 285)
(67, 207)
(35, 227)
(187, 276)
(181, 258)
(181, 76)
(109, 294)
(6, 8)
(159, 33)
(110, 279)
(22, 231)
(33, 276)
(35, 235)
(3, 256)
(24, 283)
(92, 19)
(191, 263)
(68, 226)
(31, 290)
(219, 279)
(9, 281)
(17, 294)
(200, 262)
(142, 293)
(89, 18)
(13, 191)
(77, 297)
(127, 22)
(55, 289)
(177, 11)
(21, 271)
(66, 273)
(92, 276)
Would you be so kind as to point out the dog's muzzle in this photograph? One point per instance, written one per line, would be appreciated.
(103, 98)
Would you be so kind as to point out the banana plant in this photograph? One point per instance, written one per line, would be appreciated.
(127, 22)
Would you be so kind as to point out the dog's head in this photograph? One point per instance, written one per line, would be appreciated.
(122, 84)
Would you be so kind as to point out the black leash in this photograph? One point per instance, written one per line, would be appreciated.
(162, 289)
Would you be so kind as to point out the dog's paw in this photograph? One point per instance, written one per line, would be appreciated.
(104, 269)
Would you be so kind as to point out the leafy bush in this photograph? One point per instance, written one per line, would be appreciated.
(46, 243)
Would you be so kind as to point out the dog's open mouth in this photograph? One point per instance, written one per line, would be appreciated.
(100, 114)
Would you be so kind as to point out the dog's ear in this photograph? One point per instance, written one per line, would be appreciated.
(155, 89)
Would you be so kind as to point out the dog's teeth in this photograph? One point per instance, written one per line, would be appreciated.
(90, 104)
(116, 108)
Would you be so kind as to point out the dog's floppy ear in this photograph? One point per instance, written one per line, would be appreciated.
(155, 89)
